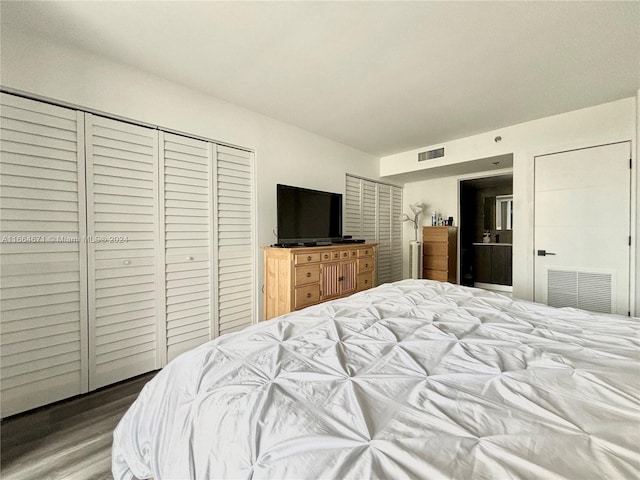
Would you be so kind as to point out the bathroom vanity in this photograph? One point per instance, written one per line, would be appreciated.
(492, 263)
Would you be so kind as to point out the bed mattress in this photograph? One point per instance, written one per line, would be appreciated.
(414, 379)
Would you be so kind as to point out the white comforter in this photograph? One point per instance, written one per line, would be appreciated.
(415, 379)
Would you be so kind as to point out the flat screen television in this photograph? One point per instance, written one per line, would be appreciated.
(306, 216)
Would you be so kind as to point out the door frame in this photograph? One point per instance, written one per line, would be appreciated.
(473, 176)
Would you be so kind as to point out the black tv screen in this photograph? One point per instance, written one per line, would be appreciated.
(308, 215)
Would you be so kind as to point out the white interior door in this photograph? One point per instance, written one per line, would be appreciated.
(582, 228)
(383, 266)
(187, 172)
(43, 313)
(396, 234)
(125, 301)
(235, 240)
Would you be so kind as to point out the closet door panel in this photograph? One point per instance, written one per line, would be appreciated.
(43, 348)
(188, 223)
(235, 239)
(383, 264)
(353, 207)
(396, 234)
(123, 253)
(369, 211)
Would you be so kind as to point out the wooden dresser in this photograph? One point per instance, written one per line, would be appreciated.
(439, 253)
(295, 278)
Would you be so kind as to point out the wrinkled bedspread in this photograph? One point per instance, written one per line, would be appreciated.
(415, 379)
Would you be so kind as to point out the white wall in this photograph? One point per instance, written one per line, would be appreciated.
(610, 122)
(284, 154)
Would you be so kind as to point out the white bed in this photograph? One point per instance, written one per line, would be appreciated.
(415, 379)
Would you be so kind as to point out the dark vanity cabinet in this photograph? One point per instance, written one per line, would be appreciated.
(493, 263)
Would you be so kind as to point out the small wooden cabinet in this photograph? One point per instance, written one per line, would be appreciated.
(439, 253)
(295, 278)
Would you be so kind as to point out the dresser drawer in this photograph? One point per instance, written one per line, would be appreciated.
(365, 280)
(435, 234)
(365, 252)
(302, 258)
(440, 249)
(325, 256)
(432, 262)
(307, 295)
(307, 274)
(439, 275)
(365, 264)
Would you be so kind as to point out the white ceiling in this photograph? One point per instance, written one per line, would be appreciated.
(383, 77)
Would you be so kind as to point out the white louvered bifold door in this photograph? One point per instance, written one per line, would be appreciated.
(188, 213)
(369, 211)
(43, 345)
(125, 301)
(396, 234)
(373, 211)
(383, 264)
(235, 239)
(353, 207)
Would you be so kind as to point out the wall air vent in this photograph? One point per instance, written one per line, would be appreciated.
(431, 154)
(585, 290)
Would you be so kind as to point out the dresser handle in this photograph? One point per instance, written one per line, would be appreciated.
(366, 281)
(127, 262)
(308, 274)
(308, 295)
(309, 258)
(189, 258)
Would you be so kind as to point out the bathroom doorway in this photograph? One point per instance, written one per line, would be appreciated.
(486, 232)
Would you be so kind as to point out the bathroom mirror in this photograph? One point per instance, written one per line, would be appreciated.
(498, 212)
(504, 212)
(489, 213)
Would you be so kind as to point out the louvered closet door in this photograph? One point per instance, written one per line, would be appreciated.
(373, 211)
(43, 347)
(125, 301)
(353, 207)
(384, 264)
(396, 234)
(188, 241)
(235, 242)
(369, 211)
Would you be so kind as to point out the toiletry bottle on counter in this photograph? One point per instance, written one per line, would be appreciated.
(440, 220)
(434, 219)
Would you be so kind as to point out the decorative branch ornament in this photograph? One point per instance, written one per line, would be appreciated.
(417, 209)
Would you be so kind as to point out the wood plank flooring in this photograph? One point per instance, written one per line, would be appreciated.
(68, 440)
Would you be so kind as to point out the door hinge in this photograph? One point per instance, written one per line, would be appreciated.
(629, 240)
(630, 164)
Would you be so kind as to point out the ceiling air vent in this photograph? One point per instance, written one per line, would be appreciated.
(431, 154)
